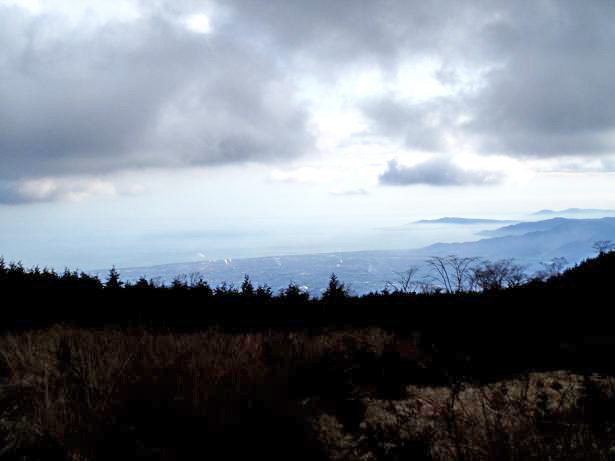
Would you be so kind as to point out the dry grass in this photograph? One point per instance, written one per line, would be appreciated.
(546, 416)
(84, 395)
(75, 389)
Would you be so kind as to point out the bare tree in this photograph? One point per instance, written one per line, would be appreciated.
(453, 272)
(439, 265)
(517, 275)
(497, 275)
(405, 282)
(603, 246)
(462, 271)
(551, 268)
(424, 286)
(489, 275)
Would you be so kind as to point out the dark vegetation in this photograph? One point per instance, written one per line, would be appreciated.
(473, 357)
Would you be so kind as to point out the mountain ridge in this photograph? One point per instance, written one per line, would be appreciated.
(548, 212)
(369, 270)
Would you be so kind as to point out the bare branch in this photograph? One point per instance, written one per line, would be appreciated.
(405, 282)
(603, 246)
(453, 272)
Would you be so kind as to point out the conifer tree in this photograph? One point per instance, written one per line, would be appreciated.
(113, 280)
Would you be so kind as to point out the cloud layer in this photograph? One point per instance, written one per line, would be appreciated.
(522, 79)
(436, 172)
(52, 189)
(541, 90)
(148, 92)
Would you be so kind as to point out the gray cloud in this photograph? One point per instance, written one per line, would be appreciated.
(142, 93)
(435, 172)
(326, 35)
(148, 92)
(546, 81)
(421, 126)
(551, 96)
(578, 165)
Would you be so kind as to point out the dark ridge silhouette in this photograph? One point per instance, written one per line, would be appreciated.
(488, 304)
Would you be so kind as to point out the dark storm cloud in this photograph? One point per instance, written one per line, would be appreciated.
(132, 94)
(435, 172)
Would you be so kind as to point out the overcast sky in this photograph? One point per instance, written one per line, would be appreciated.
(139, 132)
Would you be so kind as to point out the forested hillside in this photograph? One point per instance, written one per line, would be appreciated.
(488, 366)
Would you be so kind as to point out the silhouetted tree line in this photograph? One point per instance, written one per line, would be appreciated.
(488, 311)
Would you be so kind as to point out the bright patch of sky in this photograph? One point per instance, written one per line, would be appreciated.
(199, 23)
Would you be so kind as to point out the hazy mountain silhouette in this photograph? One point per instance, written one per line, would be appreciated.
(456, 220)
(524, 227)
(535, 242)
(575, 211)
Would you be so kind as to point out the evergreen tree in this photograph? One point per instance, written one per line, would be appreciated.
(113, 280)
(247, 289)
(336, 290)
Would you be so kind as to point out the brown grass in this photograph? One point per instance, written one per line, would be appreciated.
(82, 391)
(546, 416)
(83, 395)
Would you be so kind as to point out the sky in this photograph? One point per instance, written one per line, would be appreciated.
(148, 132)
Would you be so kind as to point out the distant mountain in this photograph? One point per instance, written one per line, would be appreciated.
(544, 212)
(365, 271)
(574, 211)
(524, 227)
(535, 242)
(455, 220)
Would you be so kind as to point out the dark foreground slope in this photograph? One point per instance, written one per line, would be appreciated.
(163, 373)
(97, 395)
